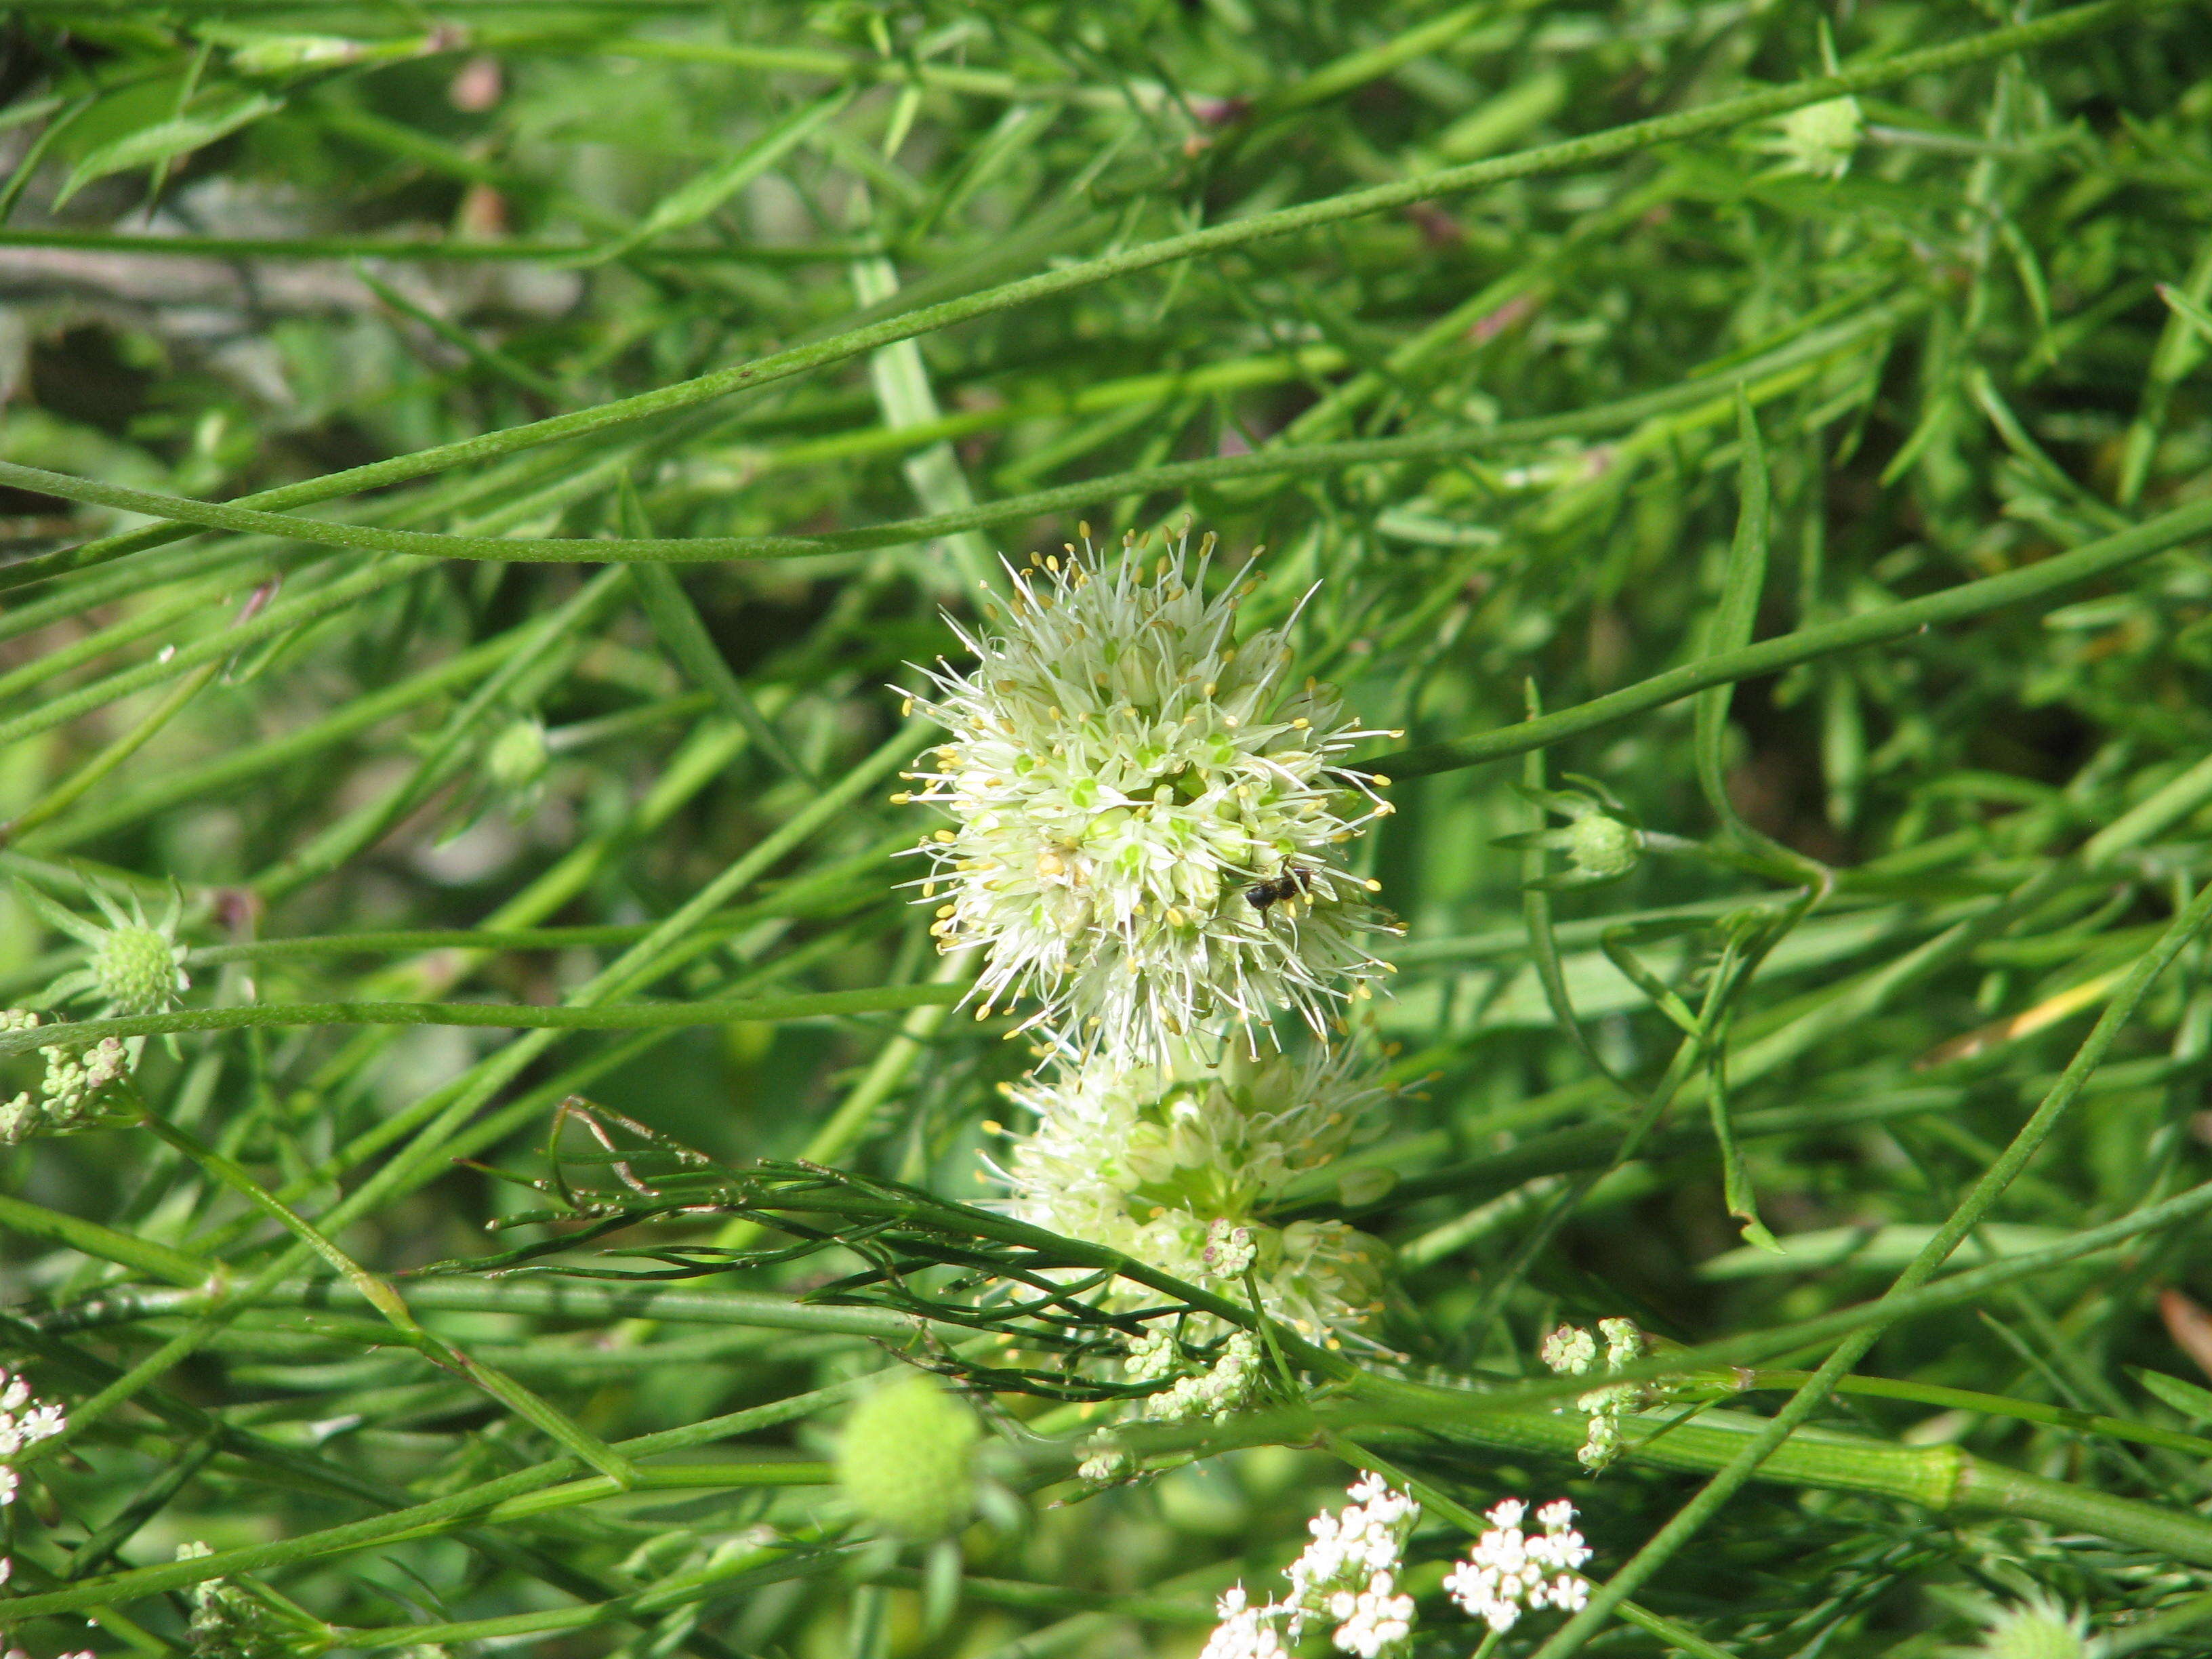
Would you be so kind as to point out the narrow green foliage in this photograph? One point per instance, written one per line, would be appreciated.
(496, 1158)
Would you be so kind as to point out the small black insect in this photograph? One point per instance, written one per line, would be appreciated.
(1293, 881)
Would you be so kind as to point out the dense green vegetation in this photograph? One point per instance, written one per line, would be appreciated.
(475, 479)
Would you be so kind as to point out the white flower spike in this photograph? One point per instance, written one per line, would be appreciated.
(1149, 813)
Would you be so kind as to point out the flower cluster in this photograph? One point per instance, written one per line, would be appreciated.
(2036, 1628)
(226, 1620)
(1573, 1351)
(24, 1422)
(1149, 818)
(1348, 1579)
(1176, 1164)
(1245, 1632)
(1148, 811)
(78, 1083)
(1508, 1570)
(133, 966)
(1215, 1392)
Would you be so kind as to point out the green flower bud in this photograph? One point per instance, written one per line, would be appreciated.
(1601, 846)
(136, 969)
(906, 1462)
(518, 755)
(287, 54)
(1820, 138)
(2035, 1629)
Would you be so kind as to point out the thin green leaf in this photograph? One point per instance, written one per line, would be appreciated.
(705, 191)
(167, 141)
(2193, 1402)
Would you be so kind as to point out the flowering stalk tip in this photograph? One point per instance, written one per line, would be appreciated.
(1149, 813)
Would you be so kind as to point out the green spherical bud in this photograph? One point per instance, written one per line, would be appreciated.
(136, 969)
(518, 755)
(1820, 138)
(2036, 1629)
(1602, 846)
(906, 1462)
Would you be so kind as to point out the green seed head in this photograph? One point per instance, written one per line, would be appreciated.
(136, 969)
(906, 1459)
(519, 756)
(2035, 1630)
(1820, 138)
(1602, 846)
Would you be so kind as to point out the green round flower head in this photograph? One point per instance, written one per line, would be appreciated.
(906, 1459)
(1599, 844)
(518, 757)
(136, 969)
(2036, 1629)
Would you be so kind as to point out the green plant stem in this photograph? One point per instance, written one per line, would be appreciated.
(456, 252)
(227, 772)
(2000, 1489)
(534, 1491)
(1570, 154)
(66, 793)
(595, 1304)
(335, 595)
(1955, 603)
(548, 1418)
(1992, 1404)
(617, 1017)
(487, 939)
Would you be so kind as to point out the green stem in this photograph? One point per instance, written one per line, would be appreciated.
(618, 1017)
(1570, 154)
(392, 247)
(2044, 579)
(515, 1495)
(66, 793)
(2189, 1537)
(338, 595)
(1992, 1405)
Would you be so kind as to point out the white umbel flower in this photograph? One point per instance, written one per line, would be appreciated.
(1245, 1632)
(23, 1422)
(1347, 1576)
(1177, 1166)
(1508, 1569)
(1347, 1579)
(1149, 814)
